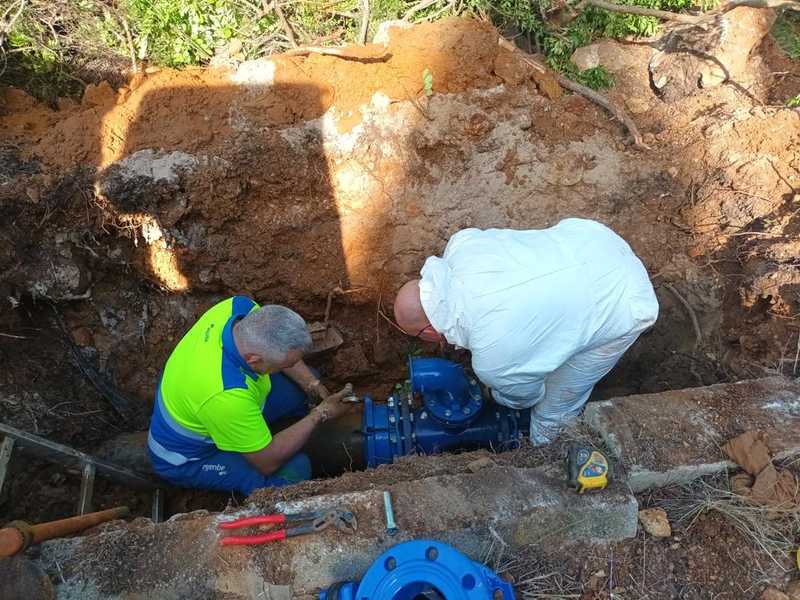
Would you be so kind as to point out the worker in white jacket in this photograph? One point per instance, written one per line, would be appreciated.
(545, 313)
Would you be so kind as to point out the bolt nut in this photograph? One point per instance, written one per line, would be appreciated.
(423, 415)
(447, 413)
(392, 419)
(467, 410)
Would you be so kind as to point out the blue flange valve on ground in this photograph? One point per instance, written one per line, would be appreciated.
(423, 569)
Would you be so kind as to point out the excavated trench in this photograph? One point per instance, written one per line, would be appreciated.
(296, 179)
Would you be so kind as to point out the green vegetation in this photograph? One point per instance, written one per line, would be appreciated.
(427, 82)
(793, 102)
(56, 43)
(786, 32)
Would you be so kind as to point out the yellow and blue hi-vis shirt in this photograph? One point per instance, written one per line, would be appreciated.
(209, 398)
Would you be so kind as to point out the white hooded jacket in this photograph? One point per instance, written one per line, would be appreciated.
(524, 302)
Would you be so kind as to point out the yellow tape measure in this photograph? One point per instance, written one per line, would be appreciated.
(587, 469)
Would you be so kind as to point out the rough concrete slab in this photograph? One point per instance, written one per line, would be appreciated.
(182, 557)
(675, 437)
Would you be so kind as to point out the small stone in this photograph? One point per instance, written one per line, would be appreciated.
(696, 251)
(673, 172)
(596, 581)
(773, 593)
(655, 522)
(33, 194)
(637, 105)
(480, 463)
(384, 33)
(741, 484)
(22, 578)
(82, 336)
(793, 590)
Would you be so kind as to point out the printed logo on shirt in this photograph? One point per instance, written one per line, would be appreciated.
(220, 469)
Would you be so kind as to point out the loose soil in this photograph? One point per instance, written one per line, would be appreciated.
(134, 210)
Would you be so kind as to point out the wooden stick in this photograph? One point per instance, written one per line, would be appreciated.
(639, 10)
(695, 323)
(787, 4)
(15, 337)
(7, 23)
(421, 5)
(588, 93)
(129, 40)
(611, 6)
(365, 14)
(285, 25)
(340, 52)
(619, 113)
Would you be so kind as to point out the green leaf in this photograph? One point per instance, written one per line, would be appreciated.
(427, 82)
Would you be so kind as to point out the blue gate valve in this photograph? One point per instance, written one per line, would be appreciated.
(439, 409)
(423, 569)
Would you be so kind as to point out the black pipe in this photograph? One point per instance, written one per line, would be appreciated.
(337, 446)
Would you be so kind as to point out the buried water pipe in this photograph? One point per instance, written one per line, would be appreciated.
(18, 535)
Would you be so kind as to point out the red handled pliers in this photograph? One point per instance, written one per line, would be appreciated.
(317, 521)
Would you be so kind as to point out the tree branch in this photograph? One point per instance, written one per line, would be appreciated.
(421, 5)
(584, 91)
(338, 52)
(7, 22)
(787, 4)
(285, 25)
(365, 14)
(640, 10)
(611, 6)
(129, 40)
(618, 112)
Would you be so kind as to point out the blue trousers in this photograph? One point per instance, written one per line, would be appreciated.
(230, 471)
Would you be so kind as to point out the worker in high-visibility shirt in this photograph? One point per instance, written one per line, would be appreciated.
(236, 371)
(546, 313)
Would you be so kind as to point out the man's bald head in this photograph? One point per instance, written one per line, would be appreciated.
(408, 311)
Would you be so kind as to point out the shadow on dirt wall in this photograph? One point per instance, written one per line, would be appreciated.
(197, 195)
(203, 203)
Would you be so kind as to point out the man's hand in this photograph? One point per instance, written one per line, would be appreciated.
(317, 392)
(332, 406)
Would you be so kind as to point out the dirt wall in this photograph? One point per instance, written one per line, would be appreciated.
(285, 178)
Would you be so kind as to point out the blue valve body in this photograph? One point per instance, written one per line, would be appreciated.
(439, 409)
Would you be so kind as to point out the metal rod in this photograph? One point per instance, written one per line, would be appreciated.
(75, 459)
(391, 526)
(87, 489)
(5, 455)
(158, 505)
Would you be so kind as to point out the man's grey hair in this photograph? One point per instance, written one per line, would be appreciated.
(272, 331)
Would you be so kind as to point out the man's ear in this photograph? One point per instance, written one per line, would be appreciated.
(251, 358)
